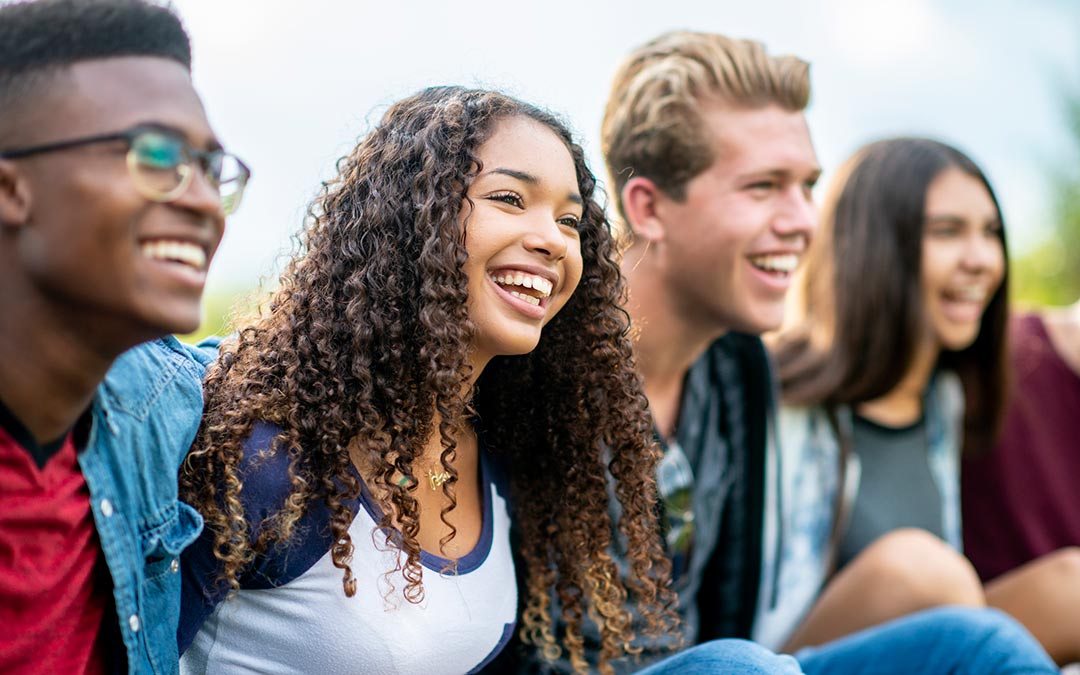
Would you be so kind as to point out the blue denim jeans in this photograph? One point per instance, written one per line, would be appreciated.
(734, 657)
(945, 641)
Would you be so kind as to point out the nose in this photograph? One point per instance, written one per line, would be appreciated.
(797, 215)
(982, 251)
(202, 196)
(546, 237)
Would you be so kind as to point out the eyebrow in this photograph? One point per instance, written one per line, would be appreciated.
(530, 179)
(813, 176)
(945, 218)
(520, 175)
(952, 219)
(212, 144)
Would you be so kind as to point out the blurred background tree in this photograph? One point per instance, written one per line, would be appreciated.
(220, 310)
(1049, 274)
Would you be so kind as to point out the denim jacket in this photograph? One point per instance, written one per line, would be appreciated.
(810, 479)
(144, 417)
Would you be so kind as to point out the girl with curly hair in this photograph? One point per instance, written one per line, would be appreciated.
(447, 342)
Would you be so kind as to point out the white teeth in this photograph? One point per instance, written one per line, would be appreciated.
(527, 298)
(967, 294)
(536, 283)
(175, 251)
(786, 262)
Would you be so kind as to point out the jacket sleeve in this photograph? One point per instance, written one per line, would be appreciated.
(265, 476)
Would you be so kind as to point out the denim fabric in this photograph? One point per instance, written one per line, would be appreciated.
(809, 454)
(730, 657)
(944, 641)
(144, 418)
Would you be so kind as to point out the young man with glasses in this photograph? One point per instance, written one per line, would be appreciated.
(712, 168)
(113, 196)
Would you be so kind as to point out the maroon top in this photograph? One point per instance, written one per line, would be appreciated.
(1022, 500)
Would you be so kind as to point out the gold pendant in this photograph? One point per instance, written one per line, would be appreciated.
(437, 479)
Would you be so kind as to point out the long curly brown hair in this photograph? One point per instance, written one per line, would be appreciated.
(366, 342)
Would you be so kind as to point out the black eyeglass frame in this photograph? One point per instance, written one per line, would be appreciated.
(205, 158)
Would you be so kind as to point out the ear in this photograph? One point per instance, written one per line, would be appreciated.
(14, 195)
(639, 201)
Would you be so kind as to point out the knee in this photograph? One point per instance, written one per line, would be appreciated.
(1064, 565)
(737, 656)
(923, 569)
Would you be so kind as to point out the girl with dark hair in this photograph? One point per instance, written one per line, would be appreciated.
(892, 367)
(446, 352)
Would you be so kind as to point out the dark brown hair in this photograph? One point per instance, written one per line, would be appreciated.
(367, 339)
(861, 291)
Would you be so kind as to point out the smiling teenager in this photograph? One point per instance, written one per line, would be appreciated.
(893, 367)
(113, 193)
(444, 354)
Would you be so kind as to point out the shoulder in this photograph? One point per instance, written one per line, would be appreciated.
(152, 399)
(163, 368)
(1026, 327)
(264, 471)
(268, 484)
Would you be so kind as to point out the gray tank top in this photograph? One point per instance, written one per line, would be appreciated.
(896, 487)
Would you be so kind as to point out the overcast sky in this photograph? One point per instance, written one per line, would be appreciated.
(290, 86)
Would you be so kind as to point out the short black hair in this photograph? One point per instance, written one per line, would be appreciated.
(39, 38)
(58, 33)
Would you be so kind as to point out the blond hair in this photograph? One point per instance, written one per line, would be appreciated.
(653, 126)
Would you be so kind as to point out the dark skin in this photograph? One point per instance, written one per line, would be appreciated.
(78, 288)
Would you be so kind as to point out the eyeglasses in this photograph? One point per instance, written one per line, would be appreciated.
(162, 163)
(675, 483)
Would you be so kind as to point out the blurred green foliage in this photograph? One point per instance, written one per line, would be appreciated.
(1050, 273)
(218, 311)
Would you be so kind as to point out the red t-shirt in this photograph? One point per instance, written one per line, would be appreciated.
(1021, 501)
(55, 591)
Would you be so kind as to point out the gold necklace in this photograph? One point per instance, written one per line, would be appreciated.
(436, 480)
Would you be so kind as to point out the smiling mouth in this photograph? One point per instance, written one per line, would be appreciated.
(524, 286)
(779, 265)
(973, 294)
(176, 252)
